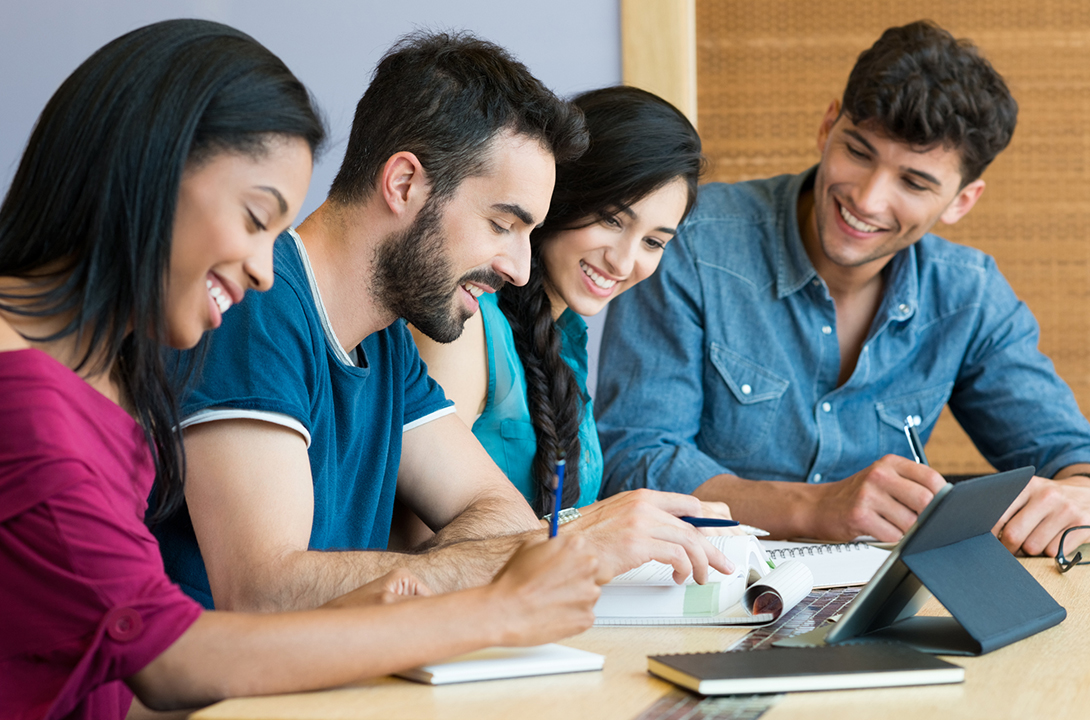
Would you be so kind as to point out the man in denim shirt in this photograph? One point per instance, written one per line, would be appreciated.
(798, 321)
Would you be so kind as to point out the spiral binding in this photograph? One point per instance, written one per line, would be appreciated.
(812, 550)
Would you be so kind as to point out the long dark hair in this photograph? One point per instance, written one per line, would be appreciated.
(638, 144)
(89, 215)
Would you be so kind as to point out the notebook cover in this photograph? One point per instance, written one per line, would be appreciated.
(777, 670)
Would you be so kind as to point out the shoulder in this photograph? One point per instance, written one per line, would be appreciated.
(955, 270)
(728, 218)
(752, 201)
(933, 250)
(56, 429)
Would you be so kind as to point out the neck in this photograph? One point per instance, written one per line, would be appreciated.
(341, 243)
(18, 332)
(557, 306)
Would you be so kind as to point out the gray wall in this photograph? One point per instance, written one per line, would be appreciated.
(332, 45)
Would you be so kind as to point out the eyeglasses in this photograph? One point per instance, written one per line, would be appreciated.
(1063, 562)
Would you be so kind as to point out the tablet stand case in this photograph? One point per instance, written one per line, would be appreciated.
(994, 601)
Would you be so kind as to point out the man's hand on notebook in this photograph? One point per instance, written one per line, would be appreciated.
(630, 528)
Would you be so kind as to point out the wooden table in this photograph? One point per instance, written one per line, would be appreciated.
(1044, 676)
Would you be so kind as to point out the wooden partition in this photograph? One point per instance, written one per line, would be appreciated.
(766, 71)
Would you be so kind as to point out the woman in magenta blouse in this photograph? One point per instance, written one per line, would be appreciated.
(145, 205)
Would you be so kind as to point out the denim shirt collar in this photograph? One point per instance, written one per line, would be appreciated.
(794, 269)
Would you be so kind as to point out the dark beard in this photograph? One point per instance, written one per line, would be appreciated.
(413, 278)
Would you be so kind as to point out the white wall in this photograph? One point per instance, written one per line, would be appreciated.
(331, 45)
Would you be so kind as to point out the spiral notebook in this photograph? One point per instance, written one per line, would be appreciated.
(833, 565)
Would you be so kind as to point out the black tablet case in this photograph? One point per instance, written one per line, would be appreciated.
(994, 601)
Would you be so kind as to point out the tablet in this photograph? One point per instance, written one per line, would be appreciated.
(951, 553)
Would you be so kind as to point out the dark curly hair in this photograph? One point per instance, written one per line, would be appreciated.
(638, 144)
(925, 88)
(444, 97)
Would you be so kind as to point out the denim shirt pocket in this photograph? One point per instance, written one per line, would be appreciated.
(925, 404)
(745, 409)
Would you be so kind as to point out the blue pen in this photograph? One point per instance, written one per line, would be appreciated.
(554, 524)
(709, 522)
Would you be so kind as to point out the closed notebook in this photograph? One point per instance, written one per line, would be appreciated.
(778, 670)
(502, 662)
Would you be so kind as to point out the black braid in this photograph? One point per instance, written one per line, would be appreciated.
(554, 397)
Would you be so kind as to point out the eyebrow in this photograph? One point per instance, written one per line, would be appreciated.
(632, 214)
(279, 198)
(928, 177)
(516, 210)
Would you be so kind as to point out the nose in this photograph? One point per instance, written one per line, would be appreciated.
(259, 266)
(513, 263)
(870, 198)
(621, 256)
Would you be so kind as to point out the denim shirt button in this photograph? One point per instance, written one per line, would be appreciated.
(826, 406)
(817, 477)
(746, 389)
(904, 309)
(826, 329)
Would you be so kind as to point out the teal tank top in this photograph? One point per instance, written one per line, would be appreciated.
(504, 427)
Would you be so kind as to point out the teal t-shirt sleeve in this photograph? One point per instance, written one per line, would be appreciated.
(423, 395)
(262, 357)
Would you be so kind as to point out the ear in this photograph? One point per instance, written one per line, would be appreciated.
(827, 122)
(404, 184)
(963, 202)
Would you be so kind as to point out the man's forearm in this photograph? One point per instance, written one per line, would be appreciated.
(486, 518)
(784, 509)
(307, 579)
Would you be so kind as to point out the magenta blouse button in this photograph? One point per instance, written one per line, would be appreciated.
(124, 624)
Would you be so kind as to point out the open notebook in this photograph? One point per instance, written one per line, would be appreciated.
(833, 565)
(754, 594)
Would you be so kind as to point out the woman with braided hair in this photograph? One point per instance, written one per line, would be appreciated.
(518, 373)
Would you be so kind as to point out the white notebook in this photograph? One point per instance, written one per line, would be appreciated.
(503, 662)
(834, 564)
(648, 595)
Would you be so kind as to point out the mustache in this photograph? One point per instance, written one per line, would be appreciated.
(484, 276)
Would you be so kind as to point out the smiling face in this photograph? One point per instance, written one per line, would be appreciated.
(874, 195)
(230, 209)
(586, 267)
(478, 239)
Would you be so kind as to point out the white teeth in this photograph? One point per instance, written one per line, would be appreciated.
(602, 282)
(222, 299)
(473, 290)
(856, 223)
